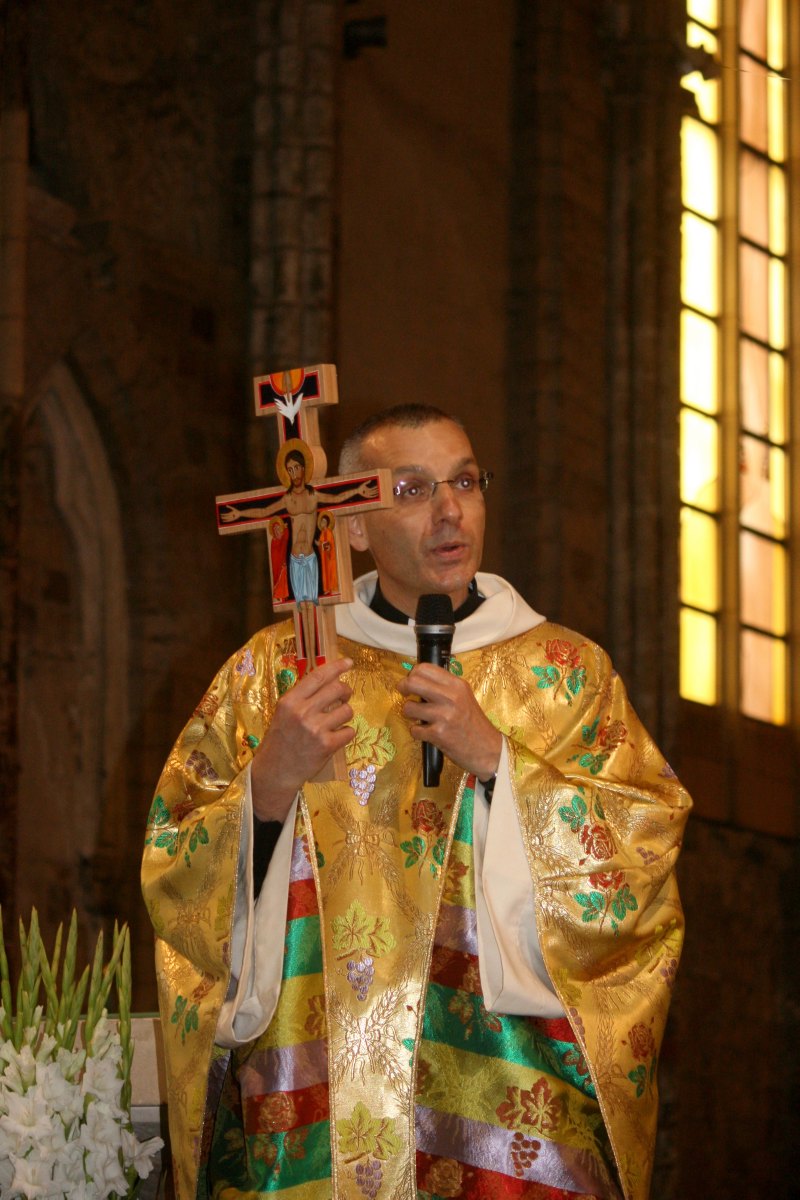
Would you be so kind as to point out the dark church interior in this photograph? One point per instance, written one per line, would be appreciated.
(488, 207)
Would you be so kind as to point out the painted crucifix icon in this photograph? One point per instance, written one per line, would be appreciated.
(310, 566)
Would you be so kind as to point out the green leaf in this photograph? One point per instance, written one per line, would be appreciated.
(357, 930)
(370, 744)
(412, 855)
(624, 902)
(576, 679)
(159, 813)
(361, 1134)
(589, 732)
(167, 841)
(573, 816)
(546, 677)
(639, 1077)
(592, 903)
(286, 679)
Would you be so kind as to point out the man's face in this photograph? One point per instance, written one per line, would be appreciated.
(296, 472)
(432, 546)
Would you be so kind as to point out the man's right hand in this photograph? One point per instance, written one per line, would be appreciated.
(309, 725)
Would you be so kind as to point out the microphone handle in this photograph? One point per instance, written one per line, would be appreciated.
(432, 763)
(438, 653)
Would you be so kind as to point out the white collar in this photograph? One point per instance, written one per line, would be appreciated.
(503, 614)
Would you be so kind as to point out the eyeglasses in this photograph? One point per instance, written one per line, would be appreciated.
(418, 491)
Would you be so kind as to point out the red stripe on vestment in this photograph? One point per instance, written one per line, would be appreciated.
(475, 1184)
(302, 900)
(278, 1112)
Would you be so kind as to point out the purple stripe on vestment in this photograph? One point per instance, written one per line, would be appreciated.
(489, 1148)
(285, 1070)
(301, 867)
(457, 929)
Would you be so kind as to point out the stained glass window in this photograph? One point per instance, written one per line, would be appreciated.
(735, 458)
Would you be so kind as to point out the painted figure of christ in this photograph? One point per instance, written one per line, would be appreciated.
(300, 502)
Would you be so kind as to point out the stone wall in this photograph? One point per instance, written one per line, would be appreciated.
(137, 258)
(482, 213)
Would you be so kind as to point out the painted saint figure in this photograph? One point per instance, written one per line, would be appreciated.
(327, 554)
(278, 549)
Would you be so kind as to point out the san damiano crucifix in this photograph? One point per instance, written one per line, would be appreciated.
(309, 561)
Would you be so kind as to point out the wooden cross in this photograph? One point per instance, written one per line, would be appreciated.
(309, 560)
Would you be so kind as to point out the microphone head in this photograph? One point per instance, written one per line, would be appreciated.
(434, 609)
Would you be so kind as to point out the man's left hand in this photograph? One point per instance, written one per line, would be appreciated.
(451, 719)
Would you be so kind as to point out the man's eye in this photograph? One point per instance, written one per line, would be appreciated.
(409, 489)
(465, 483)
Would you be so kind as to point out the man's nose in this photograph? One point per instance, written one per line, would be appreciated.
(445, 502)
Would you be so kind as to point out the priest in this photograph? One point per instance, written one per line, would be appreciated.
(374, 988)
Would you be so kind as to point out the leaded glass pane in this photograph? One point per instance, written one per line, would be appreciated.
(706, 11)
(753, 103)
(762, 487)
(700, 168)
(776, 39)
(777, 398)
(699, 460)
(698, 659)
(777, 210)
(754, 291)
(700, 264)
(699, 560)
(706, 91)
(776, 109)
(754, 386)
(763, 677)
(777, 303)
(754, 198)
(699, 362)
(753, 26)
(762, 583)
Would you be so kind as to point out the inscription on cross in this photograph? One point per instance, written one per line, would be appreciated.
(309, 560)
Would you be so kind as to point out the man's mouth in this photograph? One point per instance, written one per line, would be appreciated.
(446, 551)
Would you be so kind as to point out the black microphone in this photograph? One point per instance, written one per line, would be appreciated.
(434, 627)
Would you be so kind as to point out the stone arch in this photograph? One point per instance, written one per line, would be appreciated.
(73, 681)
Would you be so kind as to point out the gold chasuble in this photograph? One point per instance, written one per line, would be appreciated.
(381, 1073)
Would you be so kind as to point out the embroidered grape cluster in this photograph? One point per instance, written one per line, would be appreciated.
(362, 781)
(669, 970)
(524, 1152)
(369, 1176)
(360, 973)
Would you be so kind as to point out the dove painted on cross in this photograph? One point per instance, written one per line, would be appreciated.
(310, 565)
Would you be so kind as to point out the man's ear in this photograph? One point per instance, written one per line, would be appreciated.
(357, 533)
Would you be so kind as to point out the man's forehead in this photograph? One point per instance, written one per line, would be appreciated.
(431, 445)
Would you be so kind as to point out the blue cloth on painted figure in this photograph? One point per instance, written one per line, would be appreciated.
(304, 577)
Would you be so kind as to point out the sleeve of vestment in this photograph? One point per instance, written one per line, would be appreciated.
(601, 816)
(513, 975)
(190, 873)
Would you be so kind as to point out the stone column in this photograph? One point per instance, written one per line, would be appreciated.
(292, 217)
(13, 234)
(594, 310)
(644, 256)
(556, 526)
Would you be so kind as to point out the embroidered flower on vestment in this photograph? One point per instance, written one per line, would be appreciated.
(444, 1178)
(641, 1042)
